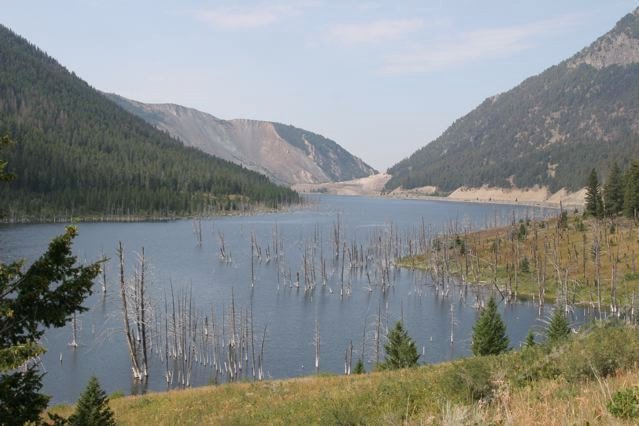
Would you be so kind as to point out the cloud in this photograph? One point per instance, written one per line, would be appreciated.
(382, 30)
(476, 45)
(250, 17)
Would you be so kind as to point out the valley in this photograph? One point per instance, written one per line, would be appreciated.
(159, 263)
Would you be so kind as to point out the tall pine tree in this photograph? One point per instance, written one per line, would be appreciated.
(614, 191)
(631, 193)
(594, 203)
(489, 332)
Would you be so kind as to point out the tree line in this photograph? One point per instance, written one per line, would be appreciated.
(78, 153)
(619, 195)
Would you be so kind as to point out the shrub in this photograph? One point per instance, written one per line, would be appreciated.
(344, 413)
(631, 276)
(625, 403)
(470, 379)
(600, 351)
(117, 394)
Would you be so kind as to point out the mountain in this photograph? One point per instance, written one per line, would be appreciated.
(284, 153)
(78, 153)
(549, 131)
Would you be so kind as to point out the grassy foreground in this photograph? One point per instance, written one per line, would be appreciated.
(566, 384)
(580, 261)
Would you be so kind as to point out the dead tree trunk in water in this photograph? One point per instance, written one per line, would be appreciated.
(142, 308)
(348, 359)
(597, 250)
(104, 278)
(74, 336)
(137, 375)
(317, 346)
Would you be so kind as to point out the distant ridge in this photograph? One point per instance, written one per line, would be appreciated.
(286, 154)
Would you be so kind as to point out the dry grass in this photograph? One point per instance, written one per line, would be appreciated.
(555, 402)
(558, 259)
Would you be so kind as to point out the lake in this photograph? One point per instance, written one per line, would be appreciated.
(264, 290)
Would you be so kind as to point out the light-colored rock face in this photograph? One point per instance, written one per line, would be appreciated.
(371, 185)
(614, 49)
(261, 146)
(256, 145)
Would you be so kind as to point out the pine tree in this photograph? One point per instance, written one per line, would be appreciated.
(631, 192)
(530, 339)
(401, 351)
(359, 367)
(614, 191)
(558, 328)
(93, 407)
(489, 332)
(594, 204)
(45, 295)
(4, 175)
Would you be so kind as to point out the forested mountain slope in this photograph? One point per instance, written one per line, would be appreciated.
(285, 153)
(551, 130)
(77, 153)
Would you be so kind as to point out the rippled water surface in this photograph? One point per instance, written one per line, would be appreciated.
(176, 260)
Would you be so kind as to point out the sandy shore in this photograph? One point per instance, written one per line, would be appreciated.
(526, 196)
(374, 185)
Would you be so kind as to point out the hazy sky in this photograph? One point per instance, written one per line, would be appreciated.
(380, 78)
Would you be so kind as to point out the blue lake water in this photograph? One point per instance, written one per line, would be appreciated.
(175, 259)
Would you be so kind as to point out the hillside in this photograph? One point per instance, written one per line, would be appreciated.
(79, 154)
(284, 153)
(571, 383)
(549, 131)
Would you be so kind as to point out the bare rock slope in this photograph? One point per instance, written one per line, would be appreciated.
(284, 153)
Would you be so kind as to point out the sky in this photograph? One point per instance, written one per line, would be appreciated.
(381, 78)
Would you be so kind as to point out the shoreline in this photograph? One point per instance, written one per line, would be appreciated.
(540, 204)
(140, 218)
(373, 186)
(257, 211)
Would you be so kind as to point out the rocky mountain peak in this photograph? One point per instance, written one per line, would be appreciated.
(620, 46)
